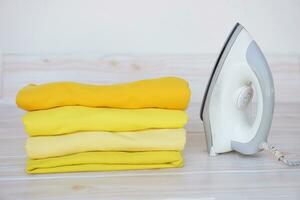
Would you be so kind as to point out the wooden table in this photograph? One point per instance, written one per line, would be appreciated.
(228, 176)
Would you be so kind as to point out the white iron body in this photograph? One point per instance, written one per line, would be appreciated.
(240, 72)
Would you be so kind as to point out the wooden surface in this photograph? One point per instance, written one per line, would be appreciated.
(20, 70)
(228, 176)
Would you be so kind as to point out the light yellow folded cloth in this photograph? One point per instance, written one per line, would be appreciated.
(167, 92)
(70, 119)
(147, 140)
(105, 161)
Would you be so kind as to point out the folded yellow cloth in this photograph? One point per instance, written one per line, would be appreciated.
(168, 93)
(70, 119)
(147, 140)
(105, 161)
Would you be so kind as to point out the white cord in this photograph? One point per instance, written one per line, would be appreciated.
(279, 156)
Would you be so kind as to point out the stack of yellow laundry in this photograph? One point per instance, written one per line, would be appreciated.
(81, 127)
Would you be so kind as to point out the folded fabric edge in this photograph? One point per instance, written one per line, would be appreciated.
(33, 130)
(40, 147)
(109, 161)
(103, 167)
(27, 106)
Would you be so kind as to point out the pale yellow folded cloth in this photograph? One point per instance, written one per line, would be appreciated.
(69, 119)
(147, 140)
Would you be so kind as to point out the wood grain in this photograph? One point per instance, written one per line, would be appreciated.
(19, 71)
(230, 185)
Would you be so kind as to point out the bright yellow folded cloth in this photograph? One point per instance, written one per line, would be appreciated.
(105, 161)
(147, 140)
(168, 93)
(70, 119)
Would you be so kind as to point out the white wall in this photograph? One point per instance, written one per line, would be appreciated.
(144, 26)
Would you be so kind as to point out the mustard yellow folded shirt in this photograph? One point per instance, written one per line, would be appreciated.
(168, 93)
(147, 140)
(69, 119)
(105, 161)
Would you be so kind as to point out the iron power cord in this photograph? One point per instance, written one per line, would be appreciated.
(279, 156)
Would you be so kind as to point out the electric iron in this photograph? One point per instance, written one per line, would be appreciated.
(240, 73)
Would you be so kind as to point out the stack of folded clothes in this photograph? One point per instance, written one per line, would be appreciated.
(80, 127)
